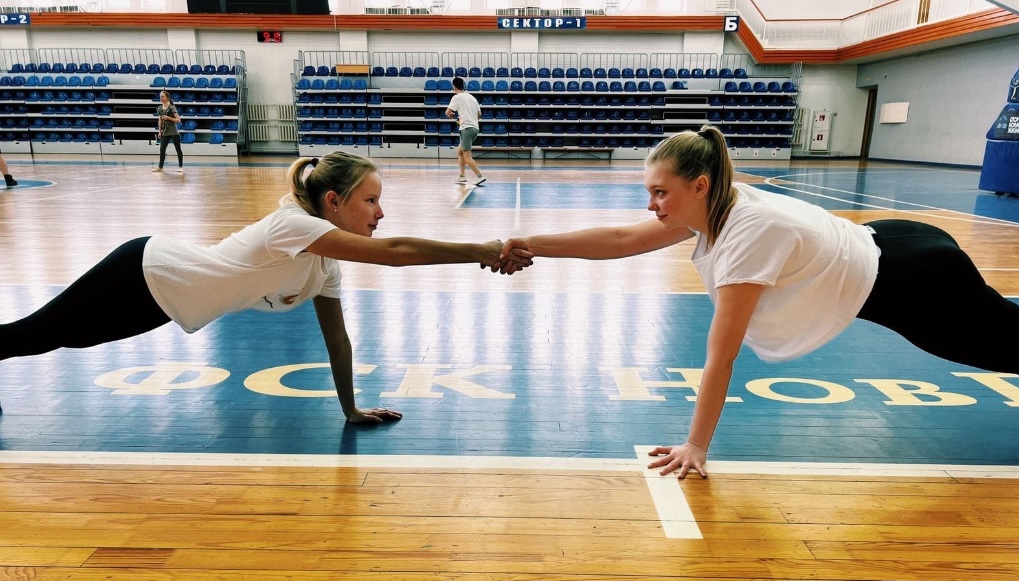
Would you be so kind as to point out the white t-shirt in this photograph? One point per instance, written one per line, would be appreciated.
(817, 268)
(467, 107)
(263, 266)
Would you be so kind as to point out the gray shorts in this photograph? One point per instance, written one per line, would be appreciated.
(467, 137)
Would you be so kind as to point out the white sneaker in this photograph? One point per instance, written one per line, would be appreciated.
(157, 170)
(461, 180)
(480, 180)
(180, 170)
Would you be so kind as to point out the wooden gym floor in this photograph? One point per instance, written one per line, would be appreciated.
(529, 401)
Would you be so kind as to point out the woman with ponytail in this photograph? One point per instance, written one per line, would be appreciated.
(786, 276)
(286, 258)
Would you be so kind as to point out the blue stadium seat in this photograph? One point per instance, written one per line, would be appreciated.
(627, 73)
(473, 86)
(432, 72)
(670, 73)
(614, 73)
(516, 86)
(502, 85)
(544, 73)
(406, 72)
(601, 86)
(740, 73)
(530, 86)
(378, 72)
(530, 73)
(211, 70)
(502, 72)
(474, 72)
(586, 73)
(488, 86)
(448, 72)
(573, 86)
(600, 73)
(460, 72)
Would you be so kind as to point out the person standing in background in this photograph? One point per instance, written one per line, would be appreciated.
(7, 173)
(168, 120)
(466, 107)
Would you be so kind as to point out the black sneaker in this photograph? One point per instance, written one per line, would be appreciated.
(11, 182)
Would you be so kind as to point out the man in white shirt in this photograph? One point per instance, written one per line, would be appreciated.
(465, 108)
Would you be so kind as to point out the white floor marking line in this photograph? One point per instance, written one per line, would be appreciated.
(967, 216)
(516, 209)
(677, 519)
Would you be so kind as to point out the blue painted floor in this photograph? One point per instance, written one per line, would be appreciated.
(570, 375)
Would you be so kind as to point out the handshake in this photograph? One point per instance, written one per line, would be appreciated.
(507, 257)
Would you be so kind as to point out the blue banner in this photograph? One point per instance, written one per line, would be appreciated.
(15, 18)
(546, 23)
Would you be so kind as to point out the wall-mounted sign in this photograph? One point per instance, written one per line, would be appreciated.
(270, 36)
(15, 18)
(730, 24)
(544, 23)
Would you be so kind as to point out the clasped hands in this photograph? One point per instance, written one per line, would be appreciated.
(510, 256)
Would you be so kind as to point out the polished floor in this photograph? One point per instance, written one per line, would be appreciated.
(528, 401)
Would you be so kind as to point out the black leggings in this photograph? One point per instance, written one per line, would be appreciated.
(109, 302)
(163, 142)
(929, 291)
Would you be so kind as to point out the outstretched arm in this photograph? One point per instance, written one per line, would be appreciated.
(341, 362)
(735, 306)
(404, 251)
(592, 243)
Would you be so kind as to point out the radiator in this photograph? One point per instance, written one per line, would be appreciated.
(272, 131)
(270, 112)
(288, 131)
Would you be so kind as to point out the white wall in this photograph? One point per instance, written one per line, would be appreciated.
(954, 96)
(833, 87)
(798, 9)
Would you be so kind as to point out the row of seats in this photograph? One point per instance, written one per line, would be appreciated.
(321, 126)
(191, 97)
(214, 138)
(57, 81)
(338, 112)
(193, 83)
(549, 73)
(83, 96)
(125, 68)
(361, 140)
(558, 86)
(335, 85)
